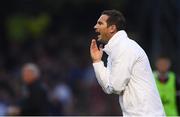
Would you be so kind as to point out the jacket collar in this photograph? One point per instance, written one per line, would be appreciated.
(116, 38)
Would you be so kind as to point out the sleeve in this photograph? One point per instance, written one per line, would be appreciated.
(102, 75)
(116, 79)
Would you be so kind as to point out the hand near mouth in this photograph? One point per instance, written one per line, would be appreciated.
(96, 53)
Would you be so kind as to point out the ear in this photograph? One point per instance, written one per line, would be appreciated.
(113, 28)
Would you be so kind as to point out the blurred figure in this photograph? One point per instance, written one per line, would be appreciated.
(63, 98)
(36, 100)
(13, 110)
(166, 83)
(7, 96)
(4, 99)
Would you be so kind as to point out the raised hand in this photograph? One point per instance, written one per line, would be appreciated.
(96, 53)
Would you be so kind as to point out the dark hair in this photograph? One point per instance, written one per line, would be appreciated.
(115, 18)
(163, 56)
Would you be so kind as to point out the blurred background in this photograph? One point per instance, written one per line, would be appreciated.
(56, 34)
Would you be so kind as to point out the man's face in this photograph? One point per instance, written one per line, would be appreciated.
(163, 65)
(102, 29)
(28, 75)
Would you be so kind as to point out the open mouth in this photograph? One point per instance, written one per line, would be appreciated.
(98, 34)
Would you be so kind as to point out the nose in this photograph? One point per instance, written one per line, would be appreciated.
(95, 27)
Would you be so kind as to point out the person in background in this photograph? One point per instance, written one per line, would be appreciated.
(35, 100)
(166, 83)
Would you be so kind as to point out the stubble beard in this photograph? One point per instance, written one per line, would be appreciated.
(101, 40)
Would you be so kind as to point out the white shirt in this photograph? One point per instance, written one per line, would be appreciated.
(128, 74)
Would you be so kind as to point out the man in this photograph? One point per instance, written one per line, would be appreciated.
(128, 72)
(166, 83)
(36, 100)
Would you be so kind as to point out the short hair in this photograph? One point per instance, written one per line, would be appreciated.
(163, 56)
(33, 67)
(115, 18)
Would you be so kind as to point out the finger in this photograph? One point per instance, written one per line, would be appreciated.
(93, 43)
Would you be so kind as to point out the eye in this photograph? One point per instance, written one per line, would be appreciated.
(100, 23)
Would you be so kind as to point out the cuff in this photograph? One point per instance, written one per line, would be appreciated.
(98, 63)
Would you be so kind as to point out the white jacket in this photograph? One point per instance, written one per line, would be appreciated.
(128, 74)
